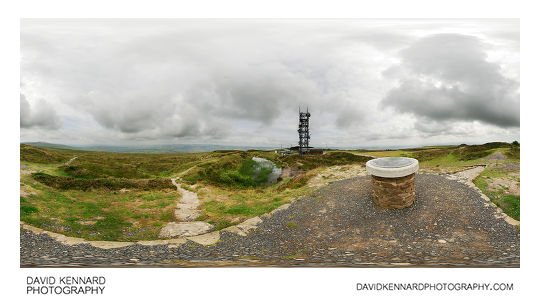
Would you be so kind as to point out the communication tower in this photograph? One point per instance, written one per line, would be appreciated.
(303, 131)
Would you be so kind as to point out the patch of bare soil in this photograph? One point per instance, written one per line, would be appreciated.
(508, 184)
(290, 172)
(337, 173)
(26, 171)
(25, 193)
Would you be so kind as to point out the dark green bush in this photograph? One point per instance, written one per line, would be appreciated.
(27, 210)
(67, 183)
(234, 177)
(236, 170)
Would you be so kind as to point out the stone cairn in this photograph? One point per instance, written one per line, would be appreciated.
(392, 181)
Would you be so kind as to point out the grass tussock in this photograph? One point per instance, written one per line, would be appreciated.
(510, 205)
(513, 153)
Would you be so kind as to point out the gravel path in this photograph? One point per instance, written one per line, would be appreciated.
(187, 206)
(449, 224)
(496, 157)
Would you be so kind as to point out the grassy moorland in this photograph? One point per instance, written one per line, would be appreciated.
(451, 158)
(501, 185)
(129, 197)
(499, 181)
(116, 196)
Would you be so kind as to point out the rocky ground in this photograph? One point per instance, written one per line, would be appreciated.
(449, 224)
(509, 182)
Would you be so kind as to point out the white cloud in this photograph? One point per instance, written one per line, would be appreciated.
(242, 81)
(38, 115)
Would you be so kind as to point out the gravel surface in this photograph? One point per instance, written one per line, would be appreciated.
(496, 156)
(448, 225)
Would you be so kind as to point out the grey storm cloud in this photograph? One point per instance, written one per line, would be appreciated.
(197, 81)
(225, 80)
(448, 77)
(40, 115)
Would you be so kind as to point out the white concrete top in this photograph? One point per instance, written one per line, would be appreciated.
(392, 167)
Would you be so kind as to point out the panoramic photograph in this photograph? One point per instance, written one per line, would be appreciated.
(270, 143)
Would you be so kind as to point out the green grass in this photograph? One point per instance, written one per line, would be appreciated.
(236, 170)
(93, 203)
(507, 202)
(88, 197)
(389, 153)
(214, 208)
(93, 165)
(98, 214)
(28, 210)
(221, 224)
(291, 225)
(446, 155)
(510, 205)
(513, 152)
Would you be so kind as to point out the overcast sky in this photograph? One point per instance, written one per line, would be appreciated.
(240, 82)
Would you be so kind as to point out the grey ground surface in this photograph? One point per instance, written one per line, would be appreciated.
(448, 225)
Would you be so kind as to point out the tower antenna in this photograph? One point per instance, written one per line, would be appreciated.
(303, 132)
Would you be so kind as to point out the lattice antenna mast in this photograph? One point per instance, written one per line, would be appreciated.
(303, 131)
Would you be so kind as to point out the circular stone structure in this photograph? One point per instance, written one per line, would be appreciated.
(392, 181)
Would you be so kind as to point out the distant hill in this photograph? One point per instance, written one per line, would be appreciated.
(197, 148)
(49, 145)
(147, 149)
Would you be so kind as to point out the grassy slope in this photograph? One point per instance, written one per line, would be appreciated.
(97, 214)
(86, 199)
(500, 196)
(225, 182)
(90, 204)
(449, 157)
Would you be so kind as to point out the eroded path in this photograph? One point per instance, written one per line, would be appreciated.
(70, 160)
(449, 224)
(498, 156)
(186, 213)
